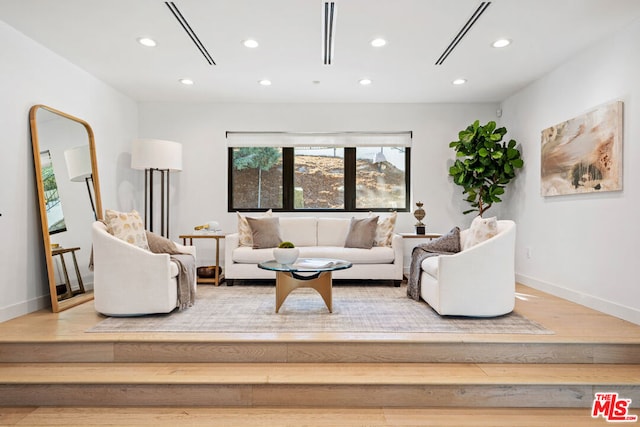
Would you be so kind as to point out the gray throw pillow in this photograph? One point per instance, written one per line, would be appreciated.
(362, 233)
(447, 243)
(265, 232)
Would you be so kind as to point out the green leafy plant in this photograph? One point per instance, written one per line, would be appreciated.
(286, 245)
(484, 164)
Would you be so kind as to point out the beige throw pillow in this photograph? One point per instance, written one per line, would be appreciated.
(481, 229)
(384, 232)
(265, 232)
(161, 245)
(362, 233)
(127, 226)
(244, 231)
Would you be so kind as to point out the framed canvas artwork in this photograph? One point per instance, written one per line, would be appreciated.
(583, 154)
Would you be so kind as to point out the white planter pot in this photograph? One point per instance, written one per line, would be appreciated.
(286, 255)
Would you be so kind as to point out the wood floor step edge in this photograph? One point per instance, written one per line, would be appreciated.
(320, 352)
(346, 417)
(318, 374)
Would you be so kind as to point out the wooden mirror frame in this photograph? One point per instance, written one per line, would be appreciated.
(56, 305)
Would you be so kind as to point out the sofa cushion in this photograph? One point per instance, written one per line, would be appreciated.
(430, 266)
(127, 226)
(265, 232)
(362, 233)
(244, 231)
(299, 231)
(173, 269)
(375, 255)
(333, 231)
(384, 231)
(481, 229)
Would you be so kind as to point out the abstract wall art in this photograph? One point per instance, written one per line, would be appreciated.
(583, 154)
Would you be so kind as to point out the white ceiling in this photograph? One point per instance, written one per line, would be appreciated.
(100, 37)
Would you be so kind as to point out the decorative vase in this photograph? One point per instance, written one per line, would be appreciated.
(286, 255)
(420, 214)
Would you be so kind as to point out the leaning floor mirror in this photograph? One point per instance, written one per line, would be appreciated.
(69, 197)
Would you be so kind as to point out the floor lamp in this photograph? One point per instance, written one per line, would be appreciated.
(78, 162)
(156, 156)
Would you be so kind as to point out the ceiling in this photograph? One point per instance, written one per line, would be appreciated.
(100, 37)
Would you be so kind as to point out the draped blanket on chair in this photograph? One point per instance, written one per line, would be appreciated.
(446, 245)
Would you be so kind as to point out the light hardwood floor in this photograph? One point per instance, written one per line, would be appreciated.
(586, 349)
(571, 323)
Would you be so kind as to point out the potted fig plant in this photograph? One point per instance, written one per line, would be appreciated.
(484, 164)
(286, 253)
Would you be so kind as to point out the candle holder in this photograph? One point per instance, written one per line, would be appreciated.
(420, 214)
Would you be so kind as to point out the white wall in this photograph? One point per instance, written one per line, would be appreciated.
(199, 192)
(31, 74)
(583, 247)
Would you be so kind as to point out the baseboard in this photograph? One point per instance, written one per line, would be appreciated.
(608, 307)
(25, 307)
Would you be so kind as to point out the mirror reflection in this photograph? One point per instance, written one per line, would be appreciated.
(66, 172)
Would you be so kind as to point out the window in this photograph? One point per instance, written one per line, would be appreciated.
(288, 172)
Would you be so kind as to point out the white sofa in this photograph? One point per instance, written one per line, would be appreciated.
(479, 281)
(130, 281)
(317, 238)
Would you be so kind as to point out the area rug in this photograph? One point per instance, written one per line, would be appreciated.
(251, 309)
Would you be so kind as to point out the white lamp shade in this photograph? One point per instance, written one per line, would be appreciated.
(156, 154)
(78, 162)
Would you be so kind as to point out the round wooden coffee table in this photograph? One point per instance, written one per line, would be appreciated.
(312, 273)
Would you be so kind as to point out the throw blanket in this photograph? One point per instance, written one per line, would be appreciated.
(186, 268)
(445, 245)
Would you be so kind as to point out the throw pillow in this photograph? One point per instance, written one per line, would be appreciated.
(127, 226)
(447, 243)
(265, 232)
(161, 245)
(384, 231)
(244, 231)
(481, 229)
(362, 233)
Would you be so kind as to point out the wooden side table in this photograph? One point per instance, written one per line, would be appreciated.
(429, 236)
(218, 277)
(69, 292)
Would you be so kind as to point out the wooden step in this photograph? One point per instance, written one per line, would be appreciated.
(314, 416)
(335, 351)
(331, 385)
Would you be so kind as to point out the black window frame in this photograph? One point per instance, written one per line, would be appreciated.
(349, 184)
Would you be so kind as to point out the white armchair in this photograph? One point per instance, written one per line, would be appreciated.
(130, 281)
(479, 281)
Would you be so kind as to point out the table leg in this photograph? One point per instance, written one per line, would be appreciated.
(75, 264)
(69, 293)
(217, 274)
(286, 283)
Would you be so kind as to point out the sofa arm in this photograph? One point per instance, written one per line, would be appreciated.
(397, 243)
(231, 242)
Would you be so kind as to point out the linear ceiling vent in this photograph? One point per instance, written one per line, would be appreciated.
(465, 29)
(328, 31)
(203, 50)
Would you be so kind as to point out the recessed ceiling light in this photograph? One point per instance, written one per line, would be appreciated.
(378, 42)
(146, 41)
(365, 82)
(265, 82)
(187, 82)
(250, 43)
(501, 43)
(459, 81)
